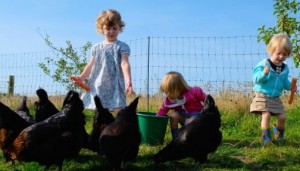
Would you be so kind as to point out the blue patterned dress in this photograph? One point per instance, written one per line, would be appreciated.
(106, 78)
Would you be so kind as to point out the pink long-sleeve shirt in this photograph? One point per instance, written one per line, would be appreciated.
(192, 102)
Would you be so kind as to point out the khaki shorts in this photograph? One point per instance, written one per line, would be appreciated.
(261, 103)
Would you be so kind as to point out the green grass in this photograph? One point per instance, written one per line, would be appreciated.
(241, 149)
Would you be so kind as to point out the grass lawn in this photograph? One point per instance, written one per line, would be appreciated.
(240, 149)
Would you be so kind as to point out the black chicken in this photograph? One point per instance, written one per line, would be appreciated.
(44, 108)
(102, 118)
(120, 140)
(23, 111)
(196, 139)
(11, 124)
(51, 141)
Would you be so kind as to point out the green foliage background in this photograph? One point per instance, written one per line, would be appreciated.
(67, 61)
(288, 21)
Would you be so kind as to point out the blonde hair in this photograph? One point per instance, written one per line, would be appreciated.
(173, 83)
(109, 18)
(280, 41)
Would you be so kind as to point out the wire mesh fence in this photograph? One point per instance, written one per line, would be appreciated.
(216, 64)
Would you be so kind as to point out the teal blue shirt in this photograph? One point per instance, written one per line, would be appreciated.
(270, 84)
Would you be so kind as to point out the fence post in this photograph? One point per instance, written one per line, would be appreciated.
(11, 85)
(148, 65)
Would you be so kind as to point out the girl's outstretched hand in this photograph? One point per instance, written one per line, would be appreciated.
(79, 82)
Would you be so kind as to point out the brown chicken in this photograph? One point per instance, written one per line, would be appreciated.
(11, 124)
(53, 140)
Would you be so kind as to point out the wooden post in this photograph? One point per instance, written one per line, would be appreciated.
(11, 85)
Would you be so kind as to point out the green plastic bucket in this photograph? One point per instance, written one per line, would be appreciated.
(152, 128)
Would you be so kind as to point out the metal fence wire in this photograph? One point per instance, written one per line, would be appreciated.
(213, 63)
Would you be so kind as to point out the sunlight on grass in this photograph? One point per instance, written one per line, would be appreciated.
(241, 147)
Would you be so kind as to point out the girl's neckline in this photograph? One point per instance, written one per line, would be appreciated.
(108, 43)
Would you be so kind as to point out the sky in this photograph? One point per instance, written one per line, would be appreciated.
(23, 22)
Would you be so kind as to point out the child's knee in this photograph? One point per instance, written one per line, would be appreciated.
(175, 115)
(281, 117)
(266, 116)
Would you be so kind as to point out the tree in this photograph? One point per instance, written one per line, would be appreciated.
(65, 62)
(287, 22)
